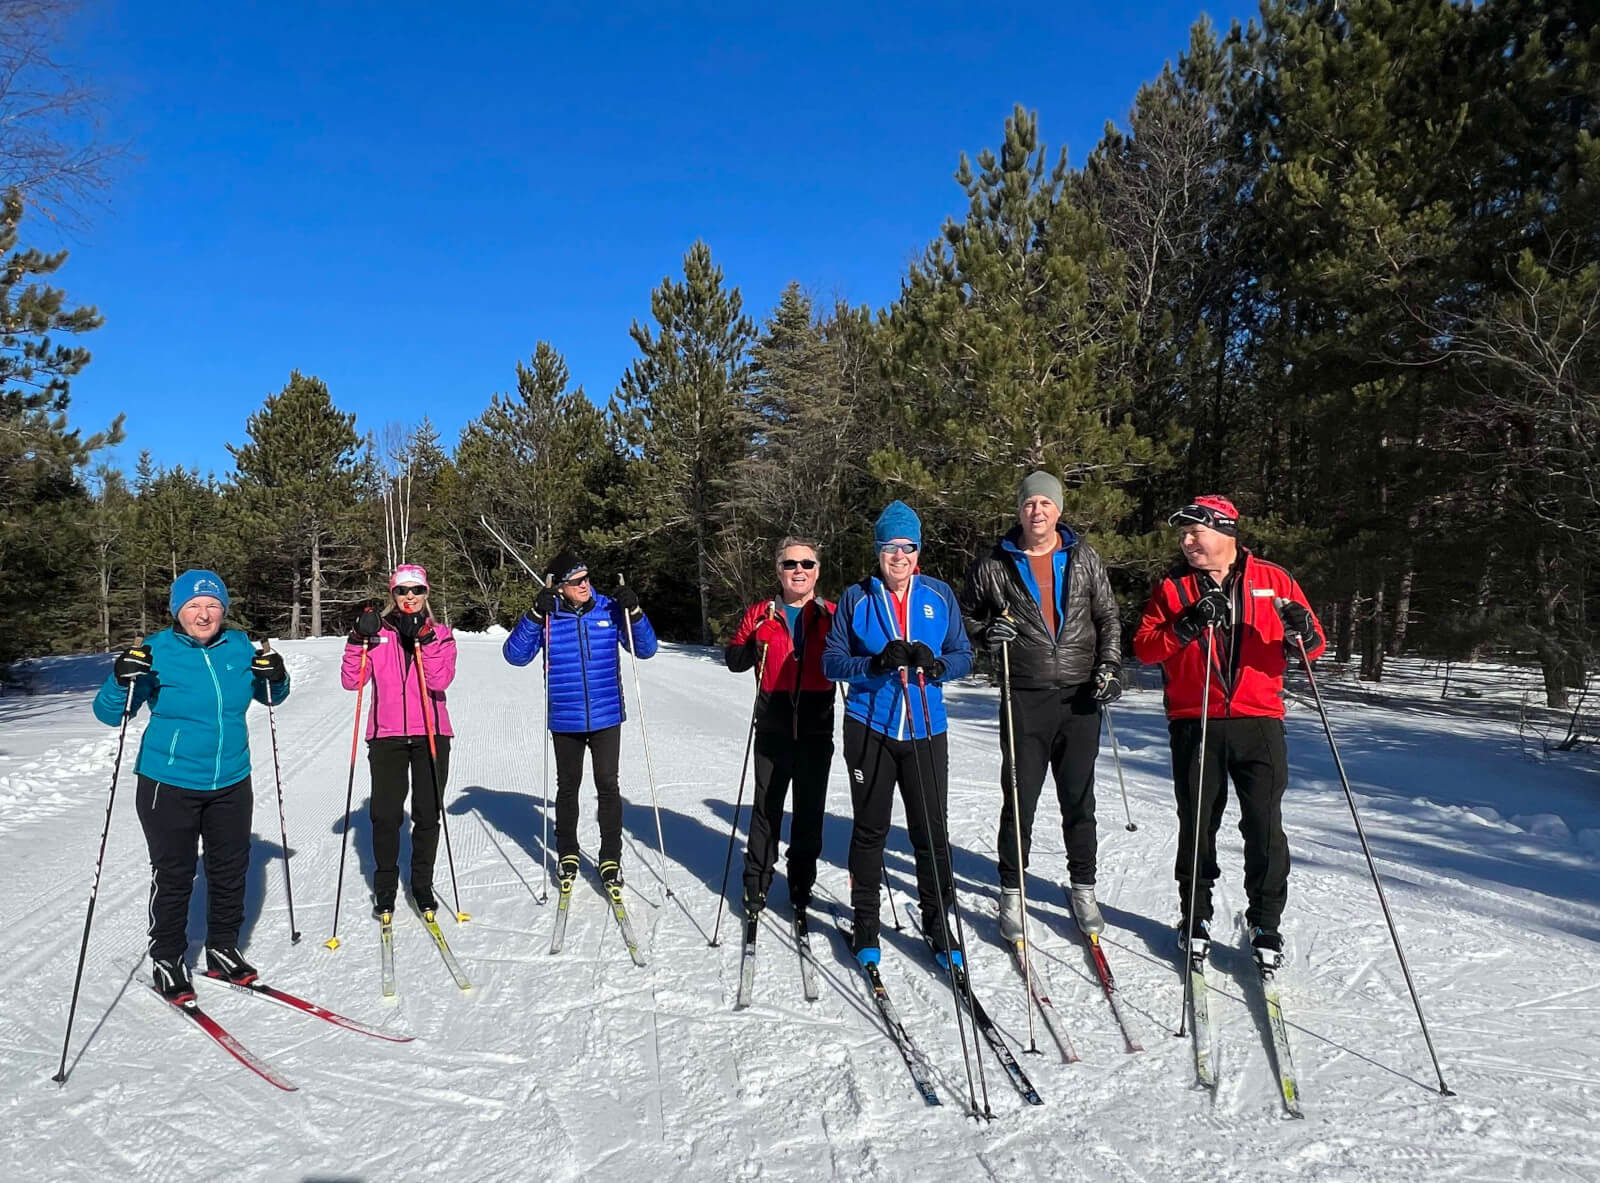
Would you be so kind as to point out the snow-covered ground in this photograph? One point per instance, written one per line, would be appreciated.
(560, 1068)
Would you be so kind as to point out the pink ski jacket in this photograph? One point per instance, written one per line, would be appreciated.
(396, 689)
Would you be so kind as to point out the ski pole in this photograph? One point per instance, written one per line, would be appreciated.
(1016, 829)
(1355, 815)
(644, 735)
(888, 890)
(1194, 863)
(349, 795)
(512, 551)
(1116, 754)
(938, 889)
(283, 830)
(83, 949)
(438, 793)
(744, 770)
(544, 748)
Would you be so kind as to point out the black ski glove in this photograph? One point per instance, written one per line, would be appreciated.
(926, 660)
(368, 625)
(131, 665)
(270, 666)
(1296, 622)
(1212, 609)
(893, 656)
(1107, 682)
(544, 604)
(1001, 632)
(411, 625)
(627, 599)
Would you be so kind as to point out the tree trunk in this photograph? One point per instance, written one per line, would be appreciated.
(1372, 638)
(1402, 603)
(704, 580)
(105, 602)
(294, 605)
(1345, 639)
(316, 583)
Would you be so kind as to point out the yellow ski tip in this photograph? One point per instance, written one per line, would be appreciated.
(331, 943)
(463, 917)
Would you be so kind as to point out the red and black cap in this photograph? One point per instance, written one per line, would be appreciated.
(1211, 510)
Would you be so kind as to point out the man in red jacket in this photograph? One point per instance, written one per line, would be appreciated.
(1223, 617)
(783, 638)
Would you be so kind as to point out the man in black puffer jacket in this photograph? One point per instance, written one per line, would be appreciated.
(1043, 593)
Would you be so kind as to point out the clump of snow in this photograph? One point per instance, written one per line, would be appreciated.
(1486, 814)
(1546, 825)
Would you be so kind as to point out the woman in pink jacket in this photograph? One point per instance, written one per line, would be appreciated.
(395, 644)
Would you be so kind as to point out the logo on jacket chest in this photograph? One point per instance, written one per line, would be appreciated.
(927, 611)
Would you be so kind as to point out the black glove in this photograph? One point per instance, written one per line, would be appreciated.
(893, 656)
(1213, 608)
(544, 604)
(131, 665)
(270, 666)
(1296, 622)
(1001, 632)
(410, 625)
(627, 599)
(1107, 682)
(926, 660)
(368, 625)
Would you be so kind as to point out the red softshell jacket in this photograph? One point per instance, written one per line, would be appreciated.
(1247, 673)
(795, 696)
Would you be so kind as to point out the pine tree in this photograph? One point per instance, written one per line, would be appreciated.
(679, 411)
(297, 482)
(998, 353)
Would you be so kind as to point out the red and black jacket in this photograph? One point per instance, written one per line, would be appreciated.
(794, 698)
(1247, 673)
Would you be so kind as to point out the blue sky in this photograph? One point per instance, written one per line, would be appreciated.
(403, 199)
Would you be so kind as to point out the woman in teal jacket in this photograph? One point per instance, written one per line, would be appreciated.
(198, 679)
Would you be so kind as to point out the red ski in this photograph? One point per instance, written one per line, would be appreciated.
(284, 998)
(232, 1046)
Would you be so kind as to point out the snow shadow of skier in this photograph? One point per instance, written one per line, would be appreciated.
(265, 873)
(518, 816)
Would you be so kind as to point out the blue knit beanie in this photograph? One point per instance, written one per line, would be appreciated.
(898, 520)
(196, 582)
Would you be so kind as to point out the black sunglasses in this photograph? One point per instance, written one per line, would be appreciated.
(411, 591)
(575, 581)
(803, 564)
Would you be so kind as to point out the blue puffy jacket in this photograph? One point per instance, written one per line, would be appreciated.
(198, 696)
(865, 622)
(585, 661)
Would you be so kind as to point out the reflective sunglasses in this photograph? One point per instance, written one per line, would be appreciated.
(803, 564)
(575, 581)
(411, 591)
(903, 548)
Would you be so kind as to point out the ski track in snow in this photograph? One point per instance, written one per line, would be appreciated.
(557, 1067)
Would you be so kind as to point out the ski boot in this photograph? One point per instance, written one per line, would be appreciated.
(1011, 914)
(1268, 947)
(1085, 911)
(171, 978)
(228, 964)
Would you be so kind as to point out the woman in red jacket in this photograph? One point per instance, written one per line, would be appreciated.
(1249, 616)
(793, 721)
(404, 638)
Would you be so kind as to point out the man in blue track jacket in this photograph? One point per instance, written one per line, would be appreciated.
(895, 635)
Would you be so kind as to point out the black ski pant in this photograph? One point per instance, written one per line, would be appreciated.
(178, 823)
(878, 763)
(781, 760)
(605, 748)
(1057, 731)
(402, 764)
(1251, 753)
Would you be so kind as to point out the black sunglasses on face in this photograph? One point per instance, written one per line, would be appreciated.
(410, 591)
(803, 564)
(575, 581)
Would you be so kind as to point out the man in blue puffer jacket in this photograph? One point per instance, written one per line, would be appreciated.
(198, 679)
(890, 631)
(583, 695)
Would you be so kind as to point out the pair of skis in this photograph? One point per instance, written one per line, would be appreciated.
(228, 1042)
(747, 961)
(1204, 1055)
(386, 947)
(618, 910)
(916, 1060)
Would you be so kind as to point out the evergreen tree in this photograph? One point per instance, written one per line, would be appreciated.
(679, 412)
(42, 494)
(297, 484)
(998, 353)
